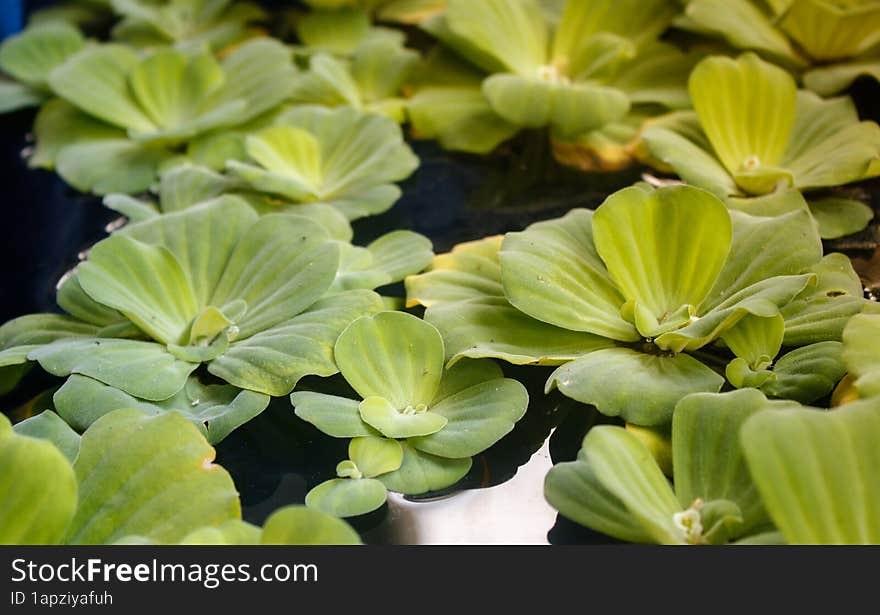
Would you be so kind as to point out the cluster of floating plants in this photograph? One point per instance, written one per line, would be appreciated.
(729, 357)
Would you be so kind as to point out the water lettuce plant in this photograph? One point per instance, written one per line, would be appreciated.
(27, 59)
(831, 42)
(119, 116)
(417, 424)
(617, 487)
(579, 77)
(131, 478)
(650, 299)
(311, 154)
(861, 353)
(214, 284)
(777, 138)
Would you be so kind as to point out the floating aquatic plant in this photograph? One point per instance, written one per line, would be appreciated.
(649, 300)
(417, 424)
(214, 284)
(616, 486)
(775, 138)
(120, 117)
(580, 77)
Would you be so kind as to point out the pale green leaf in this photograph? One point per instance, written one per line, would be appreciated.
(142, 369)
(639, 387)
(148, 476)
(374, 456)
(392, 422)
(144, 282)
(347, 497)
(49, 426)
(469, 271)
(707, 457)
(335, 416)
(861, 353)
(664, 249)
(817, 472)
(215, 409)
(552, 272)
(808, 373)
(477, 416)
(838, 217)
(30, 56)
(421, 472)
(297, 525)
(38, 489)
(392, 355)
(746, 108)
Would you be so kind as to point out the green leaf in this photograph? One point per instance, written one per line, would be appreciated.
(40, 329)
(216, 410)
(421, 472)
(335, 416)
(95, 80)
(274, 360)
(347, 497)
(625, 469)
(552, 272)
(477, 417)
(817, 472)
(744, 25)
(756, 339)
(664, 249)
(639, 387)
(232, 532)
(465, 374)
(821, 312)
(49, 426)
(394, 422)
(282, 265)
(840, 217)
(469, 271)
(533, 103)
(707, 458)
(574, 490)
(834, 78)
(513, 34)
(142, 369)
(829, 146)
(691, 162)
(15, 96)
(751, 133)
(808, 373)
(291, 158)
(392, 355)
(861, 354)
(144, 282)
(829, 31)
(297, 525)
(375, 456)
(148, 476)
(491, 327)
(30, 56)
(201, 239)
(401, 253)
(38, 489)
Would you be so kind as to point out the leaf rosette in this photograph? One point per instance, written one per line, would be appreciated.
(617, 487)
(249, 297)
(648, 300)
(586, 78)
(119, 116)
(417, 425)
(774, 138)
